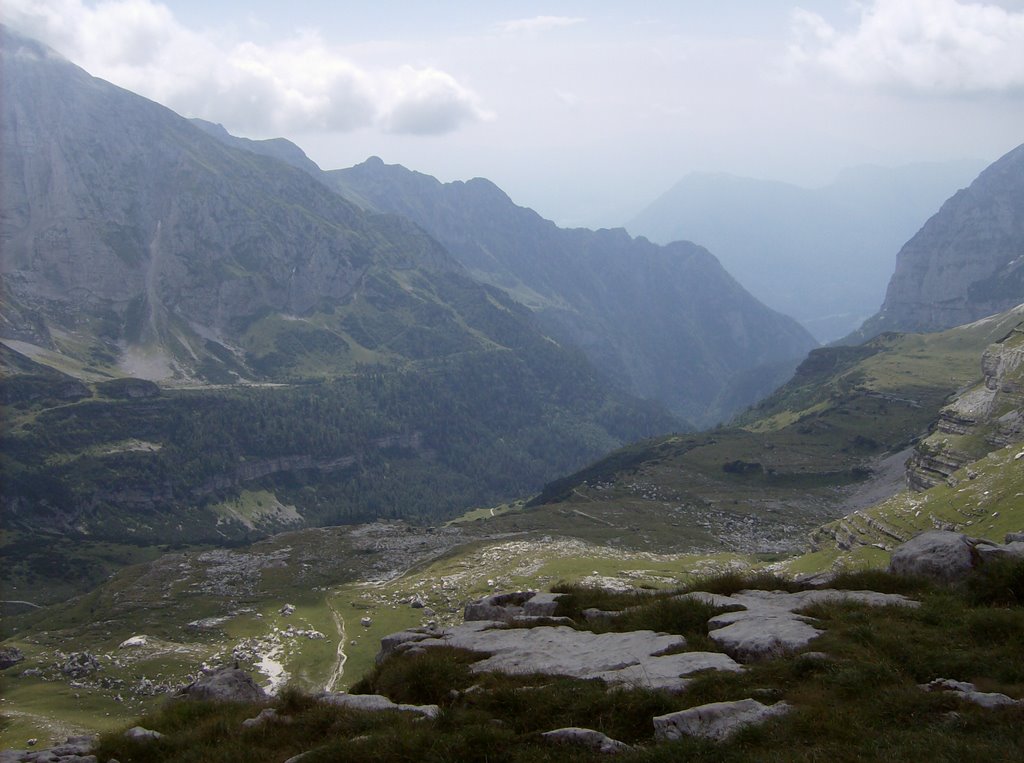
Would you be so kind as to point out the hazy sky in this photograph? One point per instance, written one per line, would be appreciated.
(585, 111)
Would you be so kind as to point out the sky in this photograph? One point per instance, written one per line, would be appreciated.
(584, 111)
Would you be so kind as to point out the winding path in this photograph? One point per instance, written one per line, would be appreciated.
(339, 664)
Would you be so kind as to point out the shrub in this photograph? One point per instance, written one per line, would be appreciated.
(999, 582)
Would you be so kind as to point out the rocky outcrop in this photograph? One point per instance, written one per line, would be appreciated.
(769, 626)
(939, 554)
(766, 624)
(641, 658)
(79, 665)
(716, 721)
(965, 263)
(9, 656)
(947, 556)
(508, 606)
(226, 685)
(987, 416)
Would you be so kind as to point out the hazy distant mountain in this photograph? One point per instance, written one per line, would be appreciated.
(821, 255)
(136, 244)
(667, 321)
(967, 261)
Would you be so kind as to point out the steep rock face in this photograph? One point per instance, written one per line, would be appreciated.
(126, 224)
(666, 321)
(967, 261)
(990, 415)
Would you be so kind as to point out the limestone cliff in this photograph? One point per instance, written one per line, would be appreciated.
(967, 261)
(987, 416)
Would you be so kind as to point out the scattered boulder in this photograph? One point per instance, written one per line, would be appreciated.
(366, 622)
(716, 721)
(588, 738)
(134, 641)
(10, 655)
(969, 693)
(80, 664)
(375, 703)
(948, 556)
(287, 610)
(417, 603)
(75, 750)
(225, 685)
(140, 734)
(937, 554)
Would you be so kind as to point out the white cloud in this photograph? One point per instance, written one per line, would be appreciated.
(296, 84)
(937, 46)
(538, 24)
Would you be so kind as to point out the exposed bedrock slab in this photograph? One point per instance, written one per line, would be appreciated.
(768, 626)
(717, 720)
(969, 693)
(375, 703)
(641, 658)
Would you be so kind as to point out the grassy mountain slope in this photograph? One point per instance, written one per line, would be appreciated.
(833, 439)
(357, 584)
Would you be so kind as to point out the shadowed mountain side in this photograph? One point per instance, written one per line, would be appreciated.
(668, 322)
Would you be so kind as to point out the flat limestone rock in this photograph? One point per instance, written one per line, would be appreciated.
(968, 692)
(768, 626)
(641, 658)
(761, 636)
(375, 703)
(588, 738)
(716, 721)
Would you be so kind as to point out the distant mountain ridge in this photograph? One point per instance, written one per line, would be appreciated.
(966, 262)
(822, 255)
(667, 322)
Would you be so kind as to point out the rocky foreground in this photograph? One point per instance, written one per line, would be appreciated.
(520, 644)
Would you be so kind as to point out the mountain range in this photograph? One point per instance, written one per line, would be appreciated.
(340, 357)
(822, 255)
(666, 323)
